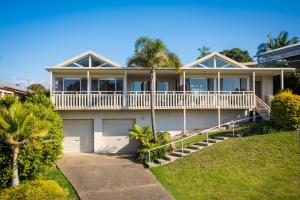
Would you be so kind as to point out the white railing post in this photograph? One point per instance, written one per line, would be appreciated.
(149, 156)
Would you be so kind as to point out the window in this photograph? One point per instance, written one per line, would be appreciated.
(71, 84)
(59, 84)
(233, 84)
(140, 86)
(97, 63)
(83, 62)
(198, 84)
(83, 84)
(109, 84)
(162, 86)
(208, 63)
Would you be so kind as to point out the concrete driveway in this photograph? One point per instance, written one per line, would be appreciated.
(113, 177)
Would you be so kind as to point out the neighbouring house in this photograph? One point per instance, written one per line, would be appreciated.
(284, 56)
(11, 89)
(99, 100)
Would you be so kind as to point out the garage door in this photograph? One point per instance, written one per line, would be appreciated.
(78, 136)
(115, 137)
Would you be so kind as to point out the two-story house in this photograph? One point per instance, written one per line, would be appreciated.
(99, 100)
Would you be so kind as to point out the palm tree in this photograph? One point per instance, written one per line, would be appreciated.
(273, 43)
(153, 54)
(18, 126)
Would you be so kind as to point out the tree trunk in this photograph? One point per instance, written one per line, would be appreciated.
(152, 103)
(15, 173)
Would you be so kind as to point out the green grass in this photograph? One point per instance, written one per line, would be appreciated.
(257, 167)
(56, 175)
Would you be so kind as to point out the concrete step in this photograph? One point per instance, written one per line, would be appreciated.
(203, 144)
(178, 154)
(212, 141)
(196, 147)
(188, 150)
(170, 157)
(151, 164)
(162, 161)
(221, 138)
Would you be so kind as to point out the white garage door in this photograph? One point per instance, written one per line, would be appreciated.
(78, 136)
(115, 137)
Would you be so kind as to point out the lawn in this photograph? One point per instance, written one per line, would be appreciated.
(257, 167)
(56, 175)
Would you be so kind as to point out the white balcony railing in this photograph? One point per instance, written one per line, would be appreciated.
(164, 100)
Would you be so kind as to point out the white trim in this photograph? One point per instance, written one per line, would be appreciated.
(216, 54)
(87, 53)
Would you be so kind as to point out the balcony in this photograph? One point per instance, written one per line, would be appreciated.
(164, 100)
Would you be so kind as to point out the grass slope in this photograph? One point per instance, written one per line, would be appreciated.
(257, 167)
(56, 175)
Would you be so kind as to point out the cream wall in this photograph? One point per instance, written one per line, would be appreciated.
(170, 120)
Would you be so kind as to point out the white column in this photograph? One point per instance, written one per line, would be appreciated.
(254, 96)
(88, 82)
(88, 87)
(90, 61)
(219, 101)
(282, 80)
(184, 109)
(51, 83)
(125, 89)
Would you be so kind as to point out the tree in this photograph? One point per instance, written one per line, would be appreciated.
(153, 54)
(273, 43)
(237, 54)
(18, 126)
(203, 51)
(36, 88)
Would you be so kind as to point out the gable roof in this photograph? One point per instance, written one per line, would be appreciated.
(83, 55)
(216, 54)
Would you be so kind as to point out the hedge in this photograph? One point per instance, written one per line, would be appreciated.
(285, 110)
(33, 162)
(35, 190)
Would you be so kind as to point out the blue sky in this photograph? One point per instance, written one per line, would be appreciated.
(35, 34)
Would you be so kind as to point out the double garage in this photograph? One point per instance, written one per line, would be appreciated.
(80, 136)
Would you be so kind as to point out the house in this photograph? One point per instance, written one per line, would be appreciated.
(284, 56)
(11, 89)
(99, 100)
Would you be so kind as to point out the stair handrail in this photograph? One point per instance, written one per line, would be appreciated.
(262, 103)
(201, 132)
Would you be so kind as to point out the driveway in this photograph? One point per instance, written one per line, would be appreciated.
(111, 177)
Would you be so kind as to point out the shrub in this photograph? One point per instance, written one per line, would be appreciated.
(34, 161)
(35, 190)
(285, 110)
(145, 137)
(8, 100)
(264, 127)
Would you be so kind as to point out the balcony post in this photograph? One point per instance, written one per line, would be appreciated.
(184, 105)
(282, 80)
(88, 87)
(254, 96)
(51, 83)
(125, 89)
(219, 100)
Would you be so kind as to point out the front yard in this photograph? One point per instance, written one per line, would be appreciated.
(56, 175)
(257, 167)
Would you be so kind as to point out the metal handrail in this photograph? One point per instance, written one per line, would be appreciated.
(203, 131)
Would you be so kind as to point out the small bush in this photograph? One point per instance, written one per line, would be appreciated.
(35, 190)
(33, 162)
(264, 127)
(8, 100)
(285, 110)
(145, 137)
